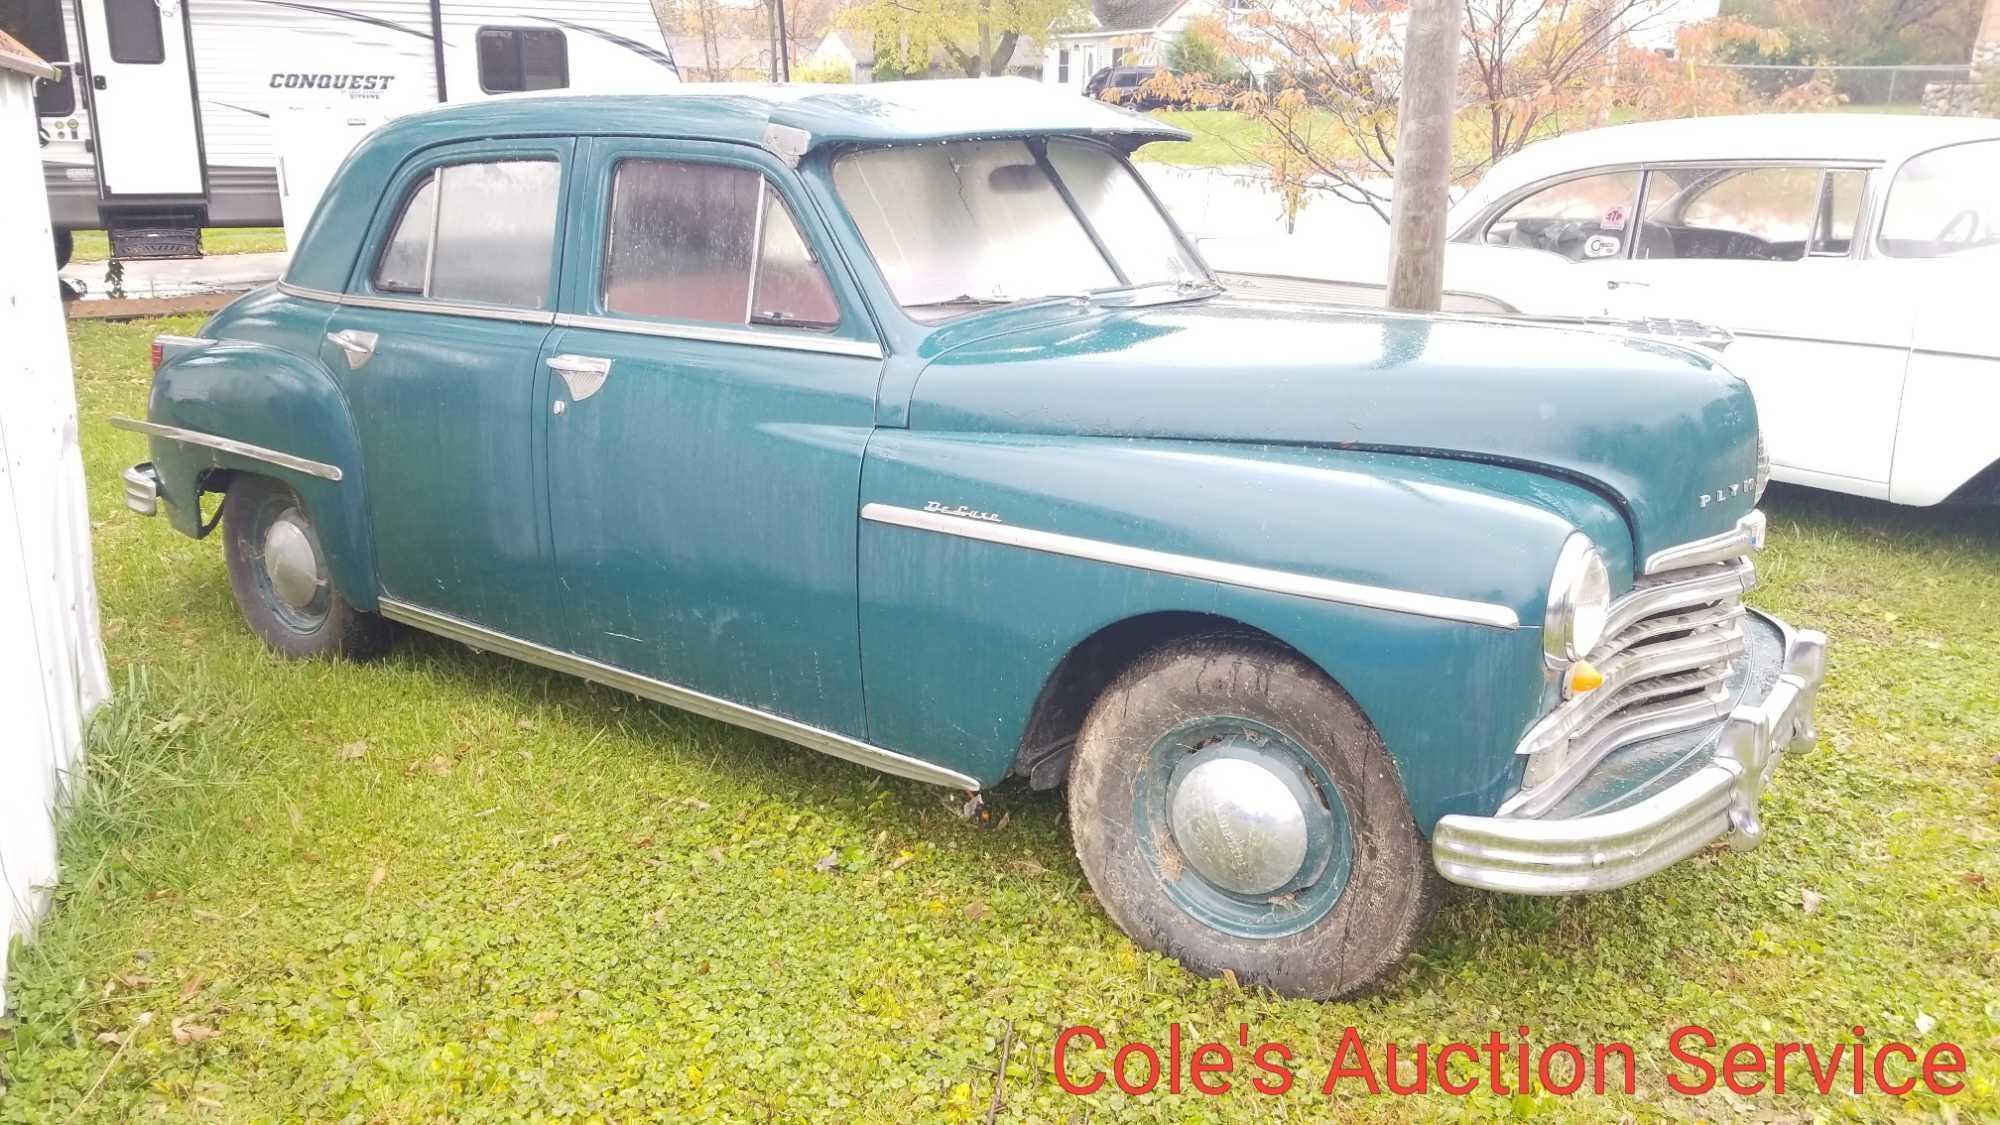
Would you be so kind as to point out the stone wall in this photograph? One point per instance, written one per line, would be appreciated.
(1978, 98)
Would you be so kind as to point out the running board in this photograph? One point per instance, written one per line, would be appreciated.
(687, 699)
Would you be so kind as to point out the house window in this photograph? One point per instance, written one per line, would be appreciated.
(133, 27)
(522, 58)
(1117, 56)
(1062, 66)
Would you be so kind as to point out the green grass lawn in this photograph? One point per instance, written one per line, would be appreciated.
(94, 246)
(444, 884)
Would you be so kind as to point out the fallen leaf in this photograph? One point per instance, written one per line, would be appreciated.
(901, 859)
(546, 1015)
(1230, 976)
(972, 808)
(696, 803)
(828, 862)
(111, 1037)
(645, 841)
(440, 765)
(1028, 867)
(185, 1033)
(352, 750)
(192, 986)
(1809, 900)
(716, 855)
(207, 916)
(375, 880)
(1925, 1023)
(977, 910)
(524, 724)
(556, 841)
(1972, 879)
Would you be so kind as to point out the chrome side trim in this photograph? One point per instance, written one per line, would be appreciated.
(1746, 536)
(1209, 570)
(446, 308)
(311, 468)
(722, 334)
(309, 293)
(687, 699)
(169, 340)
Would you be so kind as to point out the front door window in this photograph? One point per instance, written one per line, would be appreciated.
(1739, 214)
(1582, 219)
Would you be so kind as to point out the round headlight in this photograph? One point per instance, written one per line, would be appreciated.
(1579, 600)
(1763, 467)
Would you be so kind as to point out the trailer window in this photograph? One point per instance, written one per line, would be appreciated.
(38, 24)
(133, 27)
(512, 59)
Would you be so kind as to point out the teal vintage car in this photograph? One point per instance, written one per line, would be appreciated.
(903, 424)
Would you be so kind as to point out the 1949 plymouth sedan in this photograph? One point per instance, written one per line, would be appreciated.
(901, 423)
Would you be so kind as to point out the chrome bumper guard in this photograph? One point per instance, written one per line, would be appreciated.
(1608, 850)
(142, 489)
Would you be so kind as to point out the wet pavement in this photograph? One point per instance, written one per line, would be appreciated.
(178, 277)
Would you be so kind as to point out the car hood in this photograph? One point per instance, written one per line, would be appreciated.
(1654, 427)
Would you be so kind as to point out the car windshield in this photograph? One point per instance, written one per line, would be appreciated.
(1943, 202)
(972, 223)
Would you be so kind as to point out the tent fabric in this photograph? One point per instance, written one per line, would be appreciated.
(52, 673)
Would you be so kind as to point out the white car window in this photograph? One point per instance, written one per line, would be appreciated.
(1944, 201)
(1582, 219)
(1742, 214)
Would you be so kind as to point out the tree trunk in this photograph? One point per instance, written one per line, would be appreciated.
(985, 34)
(996, 61)
(1423, 155)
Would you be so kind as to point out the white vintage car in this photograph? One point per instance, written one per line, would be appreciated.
(1855, 260)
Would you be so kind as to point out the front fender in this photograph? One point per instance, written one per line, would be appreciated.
(277, 400)
(960, 632)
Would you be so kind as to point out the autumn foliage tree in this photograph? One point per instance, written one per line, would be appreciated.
(978, 36)
(1529, 69)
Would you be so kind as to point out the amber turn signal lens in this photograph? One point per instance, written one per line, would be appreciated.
(1583, 677)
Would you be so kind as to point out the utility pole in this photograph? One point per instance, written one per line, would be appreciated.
(781, 48)
(1423, 155)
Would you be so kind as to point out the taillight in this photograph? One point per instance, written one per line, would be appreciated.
(158, 354)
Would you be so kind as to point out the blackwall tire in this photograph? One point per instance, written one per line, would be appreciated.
(277, 570)
(1154, 744)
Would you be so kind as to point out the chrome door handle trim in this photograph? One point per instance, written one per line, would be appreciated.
(357, 345)
(584, 374)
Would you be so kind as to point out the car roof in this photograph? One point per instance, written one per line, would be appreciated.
(1883, 138)
(871, 113)
(788, 120)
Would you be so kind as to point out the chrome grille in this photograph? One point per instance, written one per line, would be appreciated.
(1665, 656)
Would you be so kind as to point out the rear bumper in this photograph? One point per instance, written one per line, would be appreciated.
(1556, 855)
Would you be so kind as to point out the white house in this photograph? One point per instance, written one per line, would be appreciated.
(1122, 33)
(52, 671)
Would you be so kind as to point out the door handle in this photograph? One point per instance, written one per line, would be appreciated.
(359, 346)
(1617, 283)
(583, 374)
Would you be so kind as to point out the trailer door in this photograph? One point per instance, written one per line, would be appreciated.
(139, 59)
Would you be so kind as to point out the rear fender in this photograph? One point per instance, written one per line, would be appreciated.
(276, 401)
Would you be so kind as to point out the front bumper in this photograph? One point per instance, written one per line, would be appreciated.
(1717, 796)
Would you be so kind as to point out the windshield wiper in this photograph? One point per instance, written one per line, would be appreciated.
(962, 301)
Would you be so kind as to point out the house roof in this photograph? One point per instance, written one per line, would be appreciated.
(1133, 15)
(20, 60)
(859, 45)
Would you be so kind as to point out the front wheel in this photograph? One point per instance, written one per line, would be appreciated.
(1235, 810)
(278, 572)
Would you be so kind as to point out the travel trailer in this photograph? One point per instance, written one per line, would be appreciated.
(171, 115)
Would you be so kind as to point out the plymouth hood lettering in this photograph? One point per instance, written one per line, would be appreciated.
(1651, 425)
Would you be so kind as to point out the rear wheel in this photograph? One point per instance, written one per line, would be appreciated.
(1235, 810)
(278, 572)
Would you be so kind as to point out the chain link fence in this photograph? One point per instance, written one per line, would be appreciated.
(1894, 89)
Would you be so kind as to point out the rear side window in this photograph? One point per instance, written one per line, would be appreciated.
(481, 232)
(711, 243)
(512, 59)
(1749, 214)
(133, 28)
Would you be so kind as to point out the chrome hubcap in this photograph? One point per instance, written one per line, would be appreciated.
(291, 562)
(1239, 824)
